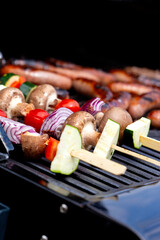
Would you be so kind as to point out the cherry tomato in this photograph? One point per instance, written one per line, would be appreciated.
(35, 118)
(2, 114)
(72, 104)
(51, 148)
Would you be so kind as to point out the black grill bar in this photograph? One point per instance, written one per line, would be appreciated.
(88, 182)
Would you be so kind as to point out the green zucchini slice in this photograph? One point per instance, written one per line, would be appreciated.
(63, 162)
(26, 88)
(108, 137)
(136, 129)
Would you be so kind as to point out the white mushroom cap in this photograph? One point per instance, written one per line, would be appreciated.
(9, 98)
(86, 124)
(42, 96)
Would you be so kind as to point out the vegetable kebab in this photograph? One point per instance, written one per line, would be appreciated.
(97, 108)
(33, 144)
(111, 131)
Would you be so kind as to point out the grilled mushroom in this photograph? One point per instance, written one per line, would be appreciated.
(86, 124)
(44, 97)
(33, 145)
(12, 102)
(118, 115)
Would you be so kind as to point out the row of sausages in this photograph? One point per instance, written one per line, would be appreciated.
(135, 89)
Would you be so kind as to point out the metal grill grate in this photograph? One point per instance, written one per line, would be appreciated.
(87, 182)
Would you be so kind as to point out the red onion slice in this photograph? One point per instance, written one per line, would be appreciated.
(14, 129)
(53, 124)
(92, 106)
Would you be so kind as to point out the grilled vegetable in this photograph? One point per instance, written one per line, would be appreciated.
(33, 144)
(63, 162)
(108, 137)
(118, 115)
(44, 97)
(15, 129)
(2, 114)
(27, 88)
(12, 80)
(72, 104)
(136, 129)
(51, 148)
(35, 118)
(53, 124)
(86, 125)
(12, 102)
(93, 106)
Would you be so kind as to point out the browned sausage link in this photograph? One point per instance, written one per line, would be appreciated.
(29, 63)
(149, 81)
(121, 99)
(92, 89)
(103, 76)
(133, 88)
(122, 75)
(139, 105)
(137, 71)
(39, 76)
(154, 116)
(69, 71)
(63, 64)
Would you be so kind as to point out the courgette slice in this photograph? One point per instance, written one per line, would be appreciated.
(146, 120)
(63, 162)
(26, 88)
(136, 129)
(108, 137)
(8, 78)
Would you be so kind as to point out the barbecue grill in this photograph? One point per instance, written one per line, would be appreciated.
(90, 202)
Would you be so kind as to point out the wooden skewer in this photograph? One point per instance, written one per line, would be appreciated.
(134, 154)
(144, 123)
(100, 162)
(150, 143)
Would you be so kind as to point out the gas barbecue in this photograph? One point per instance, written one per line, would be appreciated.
(93, 200)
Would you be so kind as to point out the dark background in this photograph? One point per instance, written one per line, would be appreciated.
(116, 33)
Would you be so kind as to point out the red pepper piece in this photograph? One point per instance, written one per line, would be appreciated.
(51, 148)
(2, 114)
(35, 118)
(72, 104)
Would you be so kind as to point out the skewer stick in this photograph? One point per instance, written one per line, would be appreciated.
(70, 152)
(100, 162)
(150, 143)
(107, 143)
(134, 154)
(140, 129)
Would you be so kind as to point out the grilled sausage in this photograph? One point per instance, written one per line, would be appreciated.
(137, 71)
(140, 105)
(71, 73)
(70, 70)
(39, 76)
(149, 81)
(104, 77)
(154, 116)
(121, 75)
(92, 89)
(121, 99)
(133, 88)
